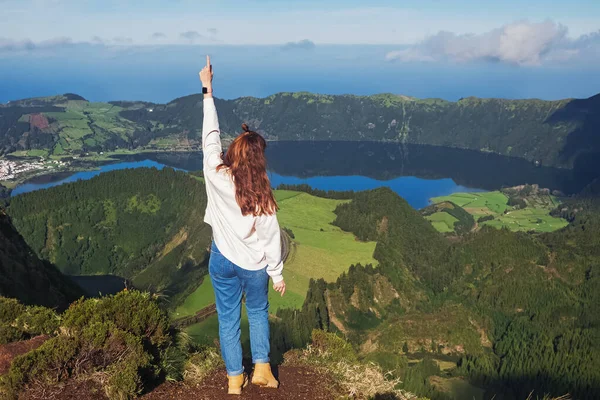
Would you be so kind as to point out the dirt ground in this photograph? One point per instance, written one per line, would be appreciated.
(297, 383)
(12, 350)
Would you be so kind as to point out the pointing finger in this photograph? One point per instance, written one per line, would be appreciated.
(208, 61)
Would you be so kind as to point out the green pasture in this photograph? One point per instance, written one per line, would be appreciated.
(442, 221)
(535, 217)
(319, 250)
(202, 297)
(477, 203)
(528, 219)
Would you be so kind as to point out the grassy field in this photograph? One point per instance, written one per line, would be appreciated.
(9, 184)
(319, 250)
(202, 297)
(207, 331)
(30, 153)
(528, 219)
(87, 123)
(442, 221)
(534, 217)
(477, 204)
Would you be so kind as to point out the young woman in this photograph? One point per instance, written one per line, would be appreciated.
(246, 248)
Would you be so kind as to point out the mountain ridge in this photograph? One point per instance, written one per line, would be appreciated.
(74, 96)
(560, 133)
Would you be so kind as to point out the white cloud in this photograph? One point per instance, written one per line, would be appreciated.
(7, 44)
(122, 40)
(300, 45)
(191, 35)
(158, 35)
(519, 43)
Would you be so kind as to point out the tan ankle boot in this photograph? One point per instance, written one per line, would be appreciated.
(263, 376)
(236, 383)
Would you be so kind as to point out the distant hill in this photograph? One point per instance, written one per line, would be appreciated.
(143, 224)
(559, 133)
(27, 278)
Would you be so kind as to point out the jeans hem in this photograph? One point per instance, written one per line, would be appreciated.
(235, 373)
(261, 361)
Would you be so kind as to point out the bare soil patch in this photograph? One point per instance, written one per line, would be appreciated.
(297, 383)
(11, 350)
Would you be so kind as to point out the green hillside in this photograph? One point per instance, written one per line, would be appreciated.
(142, 224)
(508, 311)
(493, 312)
(556, 133)
(27, 278)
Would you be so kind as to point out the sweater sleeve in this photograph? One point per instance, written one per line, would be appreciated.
(211, 136)
(269, 234)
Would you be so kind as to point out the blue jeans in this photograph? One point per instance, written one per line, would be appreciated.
(229, 282)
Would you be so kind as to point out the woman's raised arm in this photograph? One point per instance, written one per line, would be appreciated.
(211, 140)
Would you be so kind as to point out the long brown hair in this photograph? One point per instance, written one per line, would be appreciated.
(245, 160)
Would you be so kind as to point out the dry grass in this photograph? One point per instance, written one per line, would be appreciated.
(202, 364)
(546, 397)
(356, 380)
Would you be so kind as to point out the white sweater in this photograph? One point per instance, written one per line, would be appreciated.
(248, 241)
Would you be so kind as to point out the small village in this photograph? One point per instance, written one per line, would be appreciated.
(11, 169)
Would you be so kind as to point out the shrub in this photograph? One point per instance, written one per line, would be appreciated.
(38, 320)
(10, 310)
(128, 361)
(18, 322)
(9, 334)
(131, 311)
(289, 232)
(517, 202)
(51, 362)
(485, 218)
(333, 347)
(172, 362)
(124, 339)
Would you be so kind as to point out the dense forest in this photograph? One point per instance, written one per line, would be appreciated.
(144, 224)
(519, 311)
(27, 278)
(558, 133)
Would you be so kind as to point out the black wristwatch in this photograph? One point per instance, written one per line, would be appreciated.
(205, 90)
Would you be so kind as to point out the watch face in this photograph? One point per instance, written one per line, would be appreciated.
(204, 90)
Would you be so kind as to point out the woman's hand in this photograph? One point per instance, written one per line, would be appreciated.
(279, 287)
(206, 75)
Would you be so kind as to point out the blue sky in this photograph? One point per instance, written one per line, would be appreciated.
(276, 21)
(429, 48)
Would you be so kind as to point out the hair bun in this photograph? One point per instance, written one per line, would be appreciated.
(245, 128)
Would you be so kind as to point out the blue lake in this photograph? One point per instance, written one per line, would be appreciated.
(417, 191)
(415, 172)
